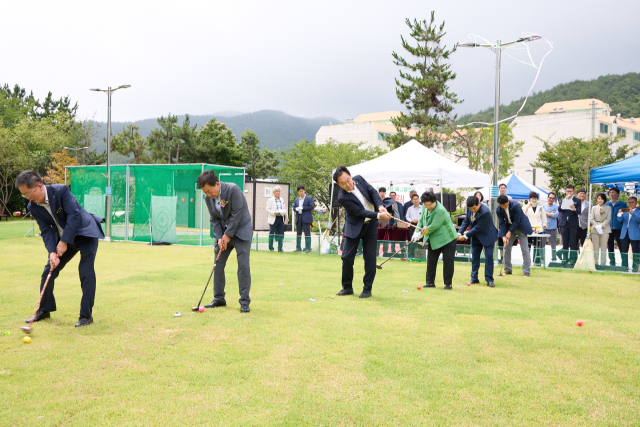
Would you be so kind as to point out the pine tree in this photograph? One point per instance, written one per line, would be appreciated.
(424, 90)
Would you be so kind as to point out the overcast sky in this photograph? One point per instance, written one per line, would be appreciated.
(323, 58)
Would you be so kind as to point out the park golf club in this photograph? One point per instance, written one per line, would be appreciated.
(379, 266)
(197, 308)
(27, 329)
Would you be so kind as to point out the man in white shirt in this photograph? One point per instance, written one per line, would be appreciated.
(363, 208)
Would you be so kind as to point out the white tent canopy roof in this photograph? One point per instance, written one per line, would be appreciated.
(413, 163)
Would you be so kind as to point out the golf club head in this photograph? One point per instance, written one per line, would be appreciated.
(26, 329)
(194, 309)
(378, 266)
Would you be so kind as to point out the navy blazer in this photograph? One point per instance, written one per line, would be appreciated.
(480, 226)
(569, 216)
(73, 219)
(355, 213)
(307, 207)
(519, 220)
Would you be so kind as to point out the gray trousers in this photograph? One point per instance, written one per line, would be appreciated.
(553, 237)
(243, 249)
(524, 247)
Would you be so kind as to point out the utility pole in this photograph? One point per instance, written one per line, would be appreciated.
(593, 119)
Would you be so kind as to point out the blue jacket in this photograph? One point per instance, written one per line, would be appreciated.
(355, 213)
(307, 208)
(570, 216)
(634, 225)
(519, 220)
(616, 223)
(552, 221)
(480, 226)
(69, 214)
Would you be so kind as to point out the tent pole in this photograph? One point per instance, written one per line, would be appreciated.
(589, 217)
(441, 194)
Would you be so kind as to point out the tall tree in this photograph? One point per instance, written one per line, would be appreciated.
(130, 142)
(476, 145)
(258, 164)
(185, 136)
(306, 163)
(162, 140)
(570, 160)
(56, 173)
(424, 89)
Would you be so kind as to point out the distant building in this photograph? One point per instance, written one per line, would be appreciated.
(368, 128)
(582, 118)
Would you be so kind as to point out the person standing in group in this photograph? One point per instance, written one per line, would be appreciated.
(630, 233)
(409, 202)
(398, 208)
(303, 206)
(538, 220)
(600, 220)
(551, 212)
(572, 223)
(583, 218)
(66, 229)
(413, 214)
(483, 235)
(615, 224)
(439, 237)
(502, 191)
(363, 207)
(513, 224)
(278, 217)
(231, 222)
(480, 196)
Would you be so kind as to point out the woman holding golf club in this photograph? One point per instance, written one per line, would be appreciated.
(439, 236)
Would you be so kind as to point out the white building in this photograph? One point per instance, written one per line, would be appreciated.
(583, 118)
(368, 128)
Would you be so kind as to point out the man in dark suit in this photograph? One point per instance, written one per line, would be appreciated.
(483, 234)
(571, 219)
(231, 222)
(303, 206)
(513, 224)
(363, 208)
(409, 203)
(66, 229)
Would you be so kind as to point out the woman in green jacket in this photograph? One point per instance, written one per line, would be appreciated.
(439, 237)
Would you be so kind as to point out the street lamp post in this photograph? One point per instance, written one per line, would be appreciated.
(497, 48)
(76, 149)
(534, 174)
(108, 91)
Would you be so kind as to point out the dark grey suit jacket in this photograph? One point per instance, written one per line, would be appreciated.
(236, 219)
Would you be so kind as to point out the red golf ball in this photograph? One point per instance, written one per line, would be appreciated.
(419, 287)
(579, 322)
(201, 309)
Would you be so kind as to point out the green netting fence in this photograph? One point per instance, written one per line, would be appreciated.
(151, 203)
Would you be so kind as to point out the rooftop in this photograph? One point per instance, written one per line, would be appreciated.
(575, 105)
(377, 117)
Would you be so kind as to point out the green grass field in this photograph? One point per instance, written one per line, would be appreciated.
(474, 356)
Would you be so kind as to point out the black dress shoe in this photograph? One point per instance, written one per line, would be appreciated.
(307, 251)
(491, 285)
(365, 294)
(216, 303)
(244, 308)
(84, 321)
(507, 272)
(430, 286)
(40, 315)
(348, 291)
(448, 287)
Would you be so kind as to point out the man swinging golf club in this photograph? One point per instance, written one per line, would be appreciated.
(363, 208)
(66, 229)
(231, 222)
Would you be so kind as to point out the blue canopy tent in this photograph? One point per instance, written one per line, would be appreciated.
(624, 174)
(517, 187)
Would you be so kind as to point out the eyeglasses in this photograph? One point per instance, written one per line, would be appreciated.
(28, 195)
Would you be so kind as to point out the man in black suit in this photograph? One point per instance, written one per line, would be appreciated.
(363, 208)
(484, 235)
(571, 221)
(514, 225)
(66, 229)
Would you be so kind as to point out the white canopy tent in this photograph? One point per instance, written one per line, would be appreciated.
(413, 164)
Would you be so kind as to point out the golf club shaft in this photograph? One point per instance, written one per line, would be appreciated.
(395, 253)
(408, 223)
(210, 276)
(46, 282)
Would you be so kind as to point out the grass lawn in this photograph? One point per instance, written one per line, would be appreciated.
(474, 356)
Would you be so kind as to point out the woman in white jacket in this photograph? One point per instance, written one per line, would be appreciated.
(278, 217)
(600, 217)
(538, 219)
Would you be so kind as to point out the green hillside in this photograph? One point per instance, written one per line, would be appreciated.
(275, 129)
(621, 92)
